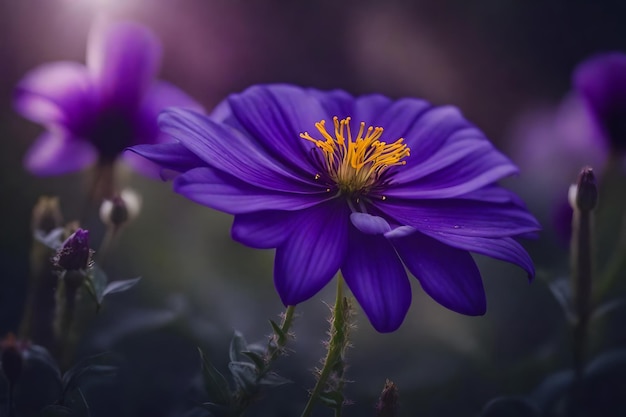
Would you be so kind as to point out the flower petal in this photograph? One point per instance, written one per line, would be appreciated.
(228, 150)
(275, 115)
(124, 58)
(154, 159)
(54, 153)
(431, 131)
(377, 279)
(467, 163)
(224, 192)
(310, 257)
(397, 118)
(461, 217)
(450, 276)
(264, 229)
(58, 93)
(160, 96)
(368, 224)
(505, 249)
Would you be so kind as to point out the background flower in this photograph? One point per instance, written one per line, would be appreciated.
(352, 201)
(601, 83)
(93, 112)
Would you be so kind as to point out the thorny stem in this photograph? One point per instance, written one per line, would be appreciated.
(274, 350)
(335, 347)
(275, 347)
(67, 293)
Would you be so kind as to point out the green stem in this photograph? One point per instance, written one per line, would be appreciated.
(335, 347)
(274, 351)
(582, 276)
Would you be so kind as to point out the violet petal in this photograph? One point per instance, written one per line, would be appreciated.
(224, 192)
(230, 151)
(308, 260)
(124, 58)
(378, 280)
(264, 229)
(275, 116)
(57, 93)
(368, 224)
(461, 217)
(449, 275)
(506, 248)
(54, 153)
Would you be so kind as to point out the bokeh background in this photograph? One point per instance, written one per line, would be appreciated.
(502, 62)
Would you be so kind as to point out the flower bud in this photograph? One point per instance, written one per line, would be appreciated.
(46, 215)
(388, 402)
(74, 254)
(584, 195)
(121, 209)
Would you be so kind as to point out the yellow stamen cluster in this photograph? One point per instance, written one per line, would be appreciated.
(356, 164)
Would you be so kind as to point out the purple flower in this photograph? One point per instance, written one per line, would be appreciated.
(363, 185)
(601, 82)
(93, 112)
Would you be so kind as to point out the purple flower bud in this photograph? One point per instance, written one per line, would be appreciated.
(388, 402)
(586, 190)
(75, 254)
(121, 209)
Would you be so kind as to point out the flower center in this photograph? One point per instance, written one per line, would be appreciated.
(356, 164)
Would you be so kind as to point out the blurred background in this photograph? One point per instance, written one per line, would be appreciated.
(505, 63)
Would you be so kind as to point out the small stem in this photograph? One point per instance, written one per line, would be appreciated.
(106, 243)
(583, 198)
(274, 351)
(335, 346)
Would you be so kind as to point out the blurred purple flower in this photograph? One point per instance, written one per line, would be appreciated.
(349, 196)
(93, 112)
(601, 83)
(75, 253)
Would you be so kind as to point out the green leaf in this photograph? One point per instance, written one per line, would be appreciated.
(332, 399)
(237, 346)
(215, 384)
(257, 348)
(120, 286)
(91, 367)
(217, 409)
(245, 376)
(282, 337)
(607, 307)
(96, 283)
(40, 354)
(257, 359)
(272, 379)
(562, 291)
(52, 239)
